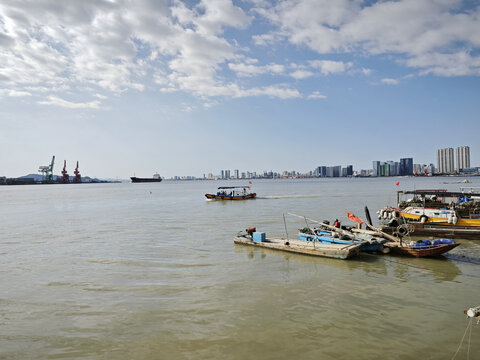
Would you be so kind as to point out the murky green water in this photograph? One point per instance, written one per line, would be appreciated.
(150, 271)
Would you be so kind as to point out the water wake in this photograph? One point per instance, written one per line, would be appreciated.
(270, 197)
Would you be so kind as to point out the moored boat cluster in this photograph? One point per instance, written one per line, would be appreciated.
(344, 242)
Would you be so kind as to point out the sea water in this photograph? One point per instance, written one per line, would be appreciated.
(150, 271)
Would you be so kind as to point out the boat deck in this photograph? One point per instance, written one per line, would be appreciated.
(338, 251)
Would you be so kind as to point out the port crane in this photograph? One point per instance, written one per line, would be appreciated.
(47, 171)
(65, 179)
(77, 178)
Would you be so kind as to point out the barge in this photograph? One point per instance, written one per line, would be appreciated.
(337, 251)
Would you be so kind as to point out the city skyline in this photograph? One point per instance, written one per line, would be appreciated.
(182, 87)
(405, 166)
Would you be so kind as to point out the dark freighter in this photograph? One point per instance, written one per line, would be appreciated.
(154, 178)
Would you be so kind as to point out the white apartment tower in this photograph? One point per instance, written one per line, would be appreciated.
(445, 161)
(463, 157)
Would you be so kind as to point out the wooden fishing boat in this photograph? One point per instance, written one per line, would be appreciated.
(424, 251)
(232, 193)
(336, 251)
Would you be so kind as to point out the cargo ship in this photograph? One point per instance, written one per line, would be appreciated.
(155, 178)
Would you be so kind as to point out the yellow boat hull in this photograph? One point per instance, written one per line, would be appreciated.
(442, 221)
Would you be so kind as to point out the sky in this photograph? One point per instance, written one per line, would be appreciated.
(193, 87)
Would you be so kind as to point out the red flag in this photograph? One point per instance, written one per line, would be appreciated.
(354, 218)
(250, 182)
(398, 183)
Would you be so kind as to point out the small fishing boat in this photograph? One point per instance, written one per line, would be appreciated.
(422, 248)
(232, 193)
(370, 244)
(399, 246)
(329, 234)
(331, 250)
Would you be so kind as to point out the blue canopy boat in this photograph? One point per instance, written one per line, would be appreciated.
(368, 244)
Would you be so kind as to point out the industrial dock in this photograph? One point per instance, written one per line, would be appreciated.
(46, 176)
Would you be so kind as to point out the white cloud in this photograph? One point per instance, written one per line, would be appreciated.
(266, 39)
(422, 34)
(316, 95)
(389, 81)
(214, 48)
(366, 72)
(330, 67)
(16, 93)
(117, 46)
(301, 74)
(243, 69)
(56, 101)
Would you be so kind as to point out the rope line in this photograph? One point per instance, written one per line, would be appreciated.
(469, 340)
(463, 337)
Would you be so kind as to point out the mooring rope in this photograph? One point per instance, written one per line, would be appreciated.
(461, 342)
(469, 339)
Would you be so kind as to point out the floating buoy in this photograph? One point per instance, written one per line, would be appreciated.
(473, 312)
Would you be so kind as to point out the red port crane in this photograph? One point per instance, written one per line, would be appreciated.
(77, 178)
(65, 179)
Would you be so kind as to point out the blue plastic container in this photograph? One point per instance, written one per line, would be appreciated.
(422, 243)
(443, 242)
(448, 241)
(258, 236)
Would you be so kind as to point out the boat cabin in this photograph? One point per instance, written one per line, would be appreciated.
(232, 190)
(441, 204)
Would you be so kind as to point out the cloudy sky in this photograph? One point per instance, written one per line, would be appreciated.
(192, 87)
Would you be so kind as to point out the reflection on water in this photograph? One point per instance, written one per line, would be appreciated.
(439, 269)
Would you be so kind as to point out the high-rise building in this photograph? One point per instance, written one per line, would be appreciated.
(323, 171)
(384, 169)
(376, 165)
(445, 161)
(393, 168)
(463, 157)
(349, 170)
(406, 166)
(222, 174)
(320, 171)
(227, 174)
(337, 171)
(236, 174)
